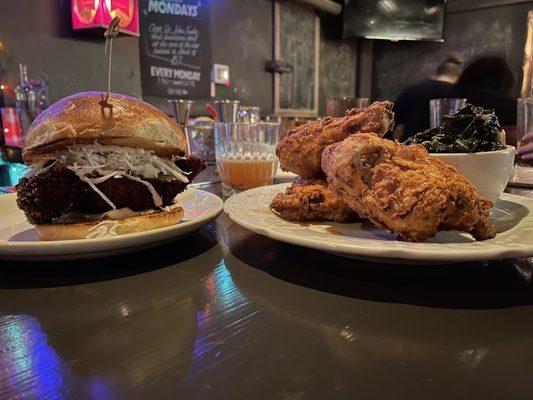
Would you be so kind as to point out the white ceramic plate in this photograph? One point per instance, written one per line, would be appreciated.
(512, 216)
(19, 240)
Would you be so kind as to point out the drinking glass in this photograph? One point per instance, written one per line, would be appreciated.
(245, 155)
(440, 107)
(202, 139)
(181, 109)
(337, 106)
(524, 124)
(227, 110)
(248, 114)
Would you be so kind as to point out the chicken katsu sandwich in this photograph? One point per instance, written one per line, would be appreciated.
(103, 167)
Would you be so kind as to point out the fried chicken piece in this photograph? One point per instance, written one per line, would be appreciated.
(403, 189)
(311, 201)
(301, 150)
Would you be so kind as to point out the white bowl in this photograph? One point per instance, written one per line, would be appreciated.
(488, 171)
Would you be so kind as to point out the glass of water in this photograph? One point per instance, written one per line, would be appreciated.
(440, 107)
(524, 124)
(248, 114)
(337, 106)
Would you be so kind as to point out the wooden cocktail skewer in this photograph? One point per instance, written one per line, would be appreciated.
(112, 32)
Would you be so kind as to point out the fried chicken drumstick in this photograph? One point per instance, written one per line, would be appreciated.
(403, 189)
(311, 201)
(301, 150)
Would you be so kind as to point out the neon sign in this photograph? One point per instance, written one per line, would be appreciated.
(89, 14)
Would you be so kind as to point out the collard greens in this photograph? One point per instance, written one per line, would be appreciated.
(472, 129)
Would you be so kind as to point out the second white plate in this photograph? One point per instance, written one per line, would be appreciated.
(512, 216)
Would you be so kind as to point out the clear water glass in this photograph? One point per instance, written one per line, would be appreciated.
(524, 118)
(246, 155)
(202, 141)
(524, 124)
(248, 114)
(227, 110)
(337, 106)
(440, 107)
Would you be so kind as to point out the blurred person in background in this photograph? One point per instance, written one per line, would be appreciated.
(412, 106)
(487, 82)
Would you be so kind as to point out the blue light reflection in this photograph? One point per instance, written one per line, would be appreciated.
(223, 301)
(31, 368)
(29, 365)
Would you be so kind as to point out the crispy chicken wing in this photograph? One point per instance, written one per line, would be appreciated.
(310, 201)
(301, 150)
(403, 189)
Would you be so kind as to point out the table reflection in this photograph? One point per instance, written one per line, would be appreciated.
(216, 318)
(30, 367)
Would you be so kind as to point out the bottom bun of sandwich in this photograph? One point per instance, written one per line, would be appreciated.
(110, 227)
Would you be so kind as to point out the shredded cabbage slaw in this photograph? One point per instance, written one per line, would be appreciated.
(114, 162)
(102, 230)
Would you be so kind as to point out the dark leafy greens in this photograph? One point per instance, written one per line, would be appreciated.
(472, 129)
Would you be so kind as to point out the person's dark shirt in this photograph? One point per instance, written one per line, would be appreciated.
(412, 106)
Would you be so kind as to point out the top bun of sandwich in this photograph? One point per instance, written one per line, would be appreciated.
(83, 119)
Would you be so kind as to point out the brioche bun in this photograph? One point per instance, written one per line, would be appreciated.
(134, 224)
(81, 118)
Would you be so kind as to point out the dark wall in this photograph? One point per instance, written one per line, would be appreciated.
(496, 31)
(241, 34)
(39, 34)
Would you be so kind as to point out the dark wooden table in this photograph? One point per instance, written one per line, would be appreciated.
(228, 314)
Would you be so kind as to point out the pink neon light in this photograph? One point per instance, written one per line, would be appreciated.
(87, 14)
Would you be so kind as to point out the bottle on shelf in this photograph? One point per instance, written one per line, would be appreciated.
(32, 98)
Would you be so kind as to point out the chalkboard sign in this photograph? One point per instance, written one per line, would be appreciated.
(297, 36)
(175, 48)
